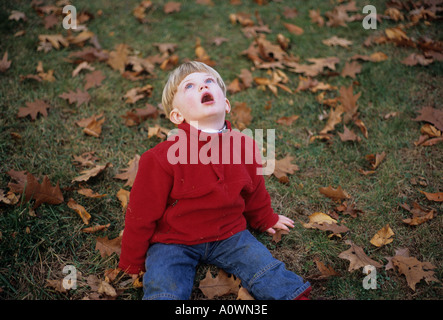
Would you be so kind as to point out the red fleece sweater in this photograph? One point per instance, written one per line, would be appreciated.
(193, 202)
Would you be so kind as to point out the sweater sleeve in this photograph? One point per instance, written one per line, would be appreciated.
(147, 203)
(258, 210)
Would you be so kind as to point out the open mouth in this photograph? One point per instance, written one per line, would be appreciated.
(207, 98)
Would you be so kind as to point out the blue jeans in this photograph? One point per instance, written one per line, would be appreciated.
(170, 268)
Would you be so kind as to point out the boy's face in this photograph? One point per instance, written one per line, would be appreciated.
(200, 98)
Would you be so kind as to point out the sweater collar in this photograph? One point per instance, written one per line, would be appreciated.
(190, 129)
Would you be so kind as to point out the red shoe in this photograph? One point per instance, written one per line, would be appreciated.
(304, 295)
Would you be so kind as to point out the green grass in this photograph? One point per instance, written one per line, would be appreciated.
(36, 247)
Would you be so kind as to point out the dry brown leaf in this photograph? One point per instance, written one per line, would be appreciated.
(130, 172)
(241, 115)
(138, 115)
(357, 257)
(96, 228)
(283, 167)
(334, 194)
(438, 196)
(414, 270)
(292, 28)
(351, 69)
(243, 294)
(94, 79)
(41, 193)
(431, 115)
(375, 159)
(90, 193)
(33, 109)
(5, 63)
(316, 17)
(171, 7)
(325, 271)
(348, 135)
(88, 174)
(108, 247)
(123, 196)
(84, 215)
(287, 121)
(336, 41)
(221, 285)
(80, 97)
(419, 214)
(383, 236)
(117, 59)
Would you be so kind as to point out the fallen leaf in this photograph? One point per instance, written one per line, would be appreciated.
(357, 257)
(316, 17)
(88, 174)
(80, 97)
(383, 236)
(107, 246)
(292, 28)
(287, 121)
(241, 115)
(351, 69)
(431, 115)
(41, 193)
(336, 41)
(33, 109)
(130, 172)
(276, 237)
(414, 270)
(171, 7)
(96, 228)
(348, 135)
(438, 197)
(4, 63)
(243, 294)
(419, 214)
(94, 79)
(90, 193)
(325, 271)
(375, 159)
(84, 215)
(17, 15)
(92, 125)
(138, 115)
(334, 194)
(54, 39)
(123, 196)
(414, 59)
(117, 59)
(283, 167)
(221, 285)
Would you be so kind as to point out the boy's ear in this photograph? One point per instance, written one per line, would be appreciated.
(228, 106)
(175, 116)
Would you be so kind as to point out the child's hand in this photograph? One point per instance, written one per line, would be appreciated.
(282, 223)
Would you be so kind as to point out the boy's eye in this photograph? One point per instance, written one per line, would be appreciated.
(188, 86)
(209, 80)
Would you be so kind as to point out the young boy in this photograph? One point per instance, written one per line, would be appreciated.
(193, 210)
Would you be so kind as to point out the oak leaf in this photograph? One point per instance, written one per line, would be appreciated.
(138, 115)
(41, 193)
(221, 285)
(94, 79)
(375, 159)
(92, 125)
(357, 257)
(130, 172)
(283, 167)
(419, 214)
(117, 59)
(80, 97)
(351, 69)
(241, 115)
(322, 221)
(348, 135)
(438, 196)
(55, 40)
(432, 115)
(33, 109)
(325, 271)
(414, 270)
(334, 194)
(107, 246)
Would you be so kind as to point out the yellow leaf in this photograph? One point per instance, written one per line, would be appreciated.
(80, 210)
(383, 236)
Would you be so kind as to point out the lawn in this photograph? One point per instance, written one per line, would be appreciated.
(372, 82)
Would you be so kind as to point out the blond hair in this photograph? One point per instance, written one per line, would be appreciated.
(177, 76)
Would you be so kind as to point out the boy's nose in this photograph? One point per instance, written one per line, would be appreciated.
(203, 86)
